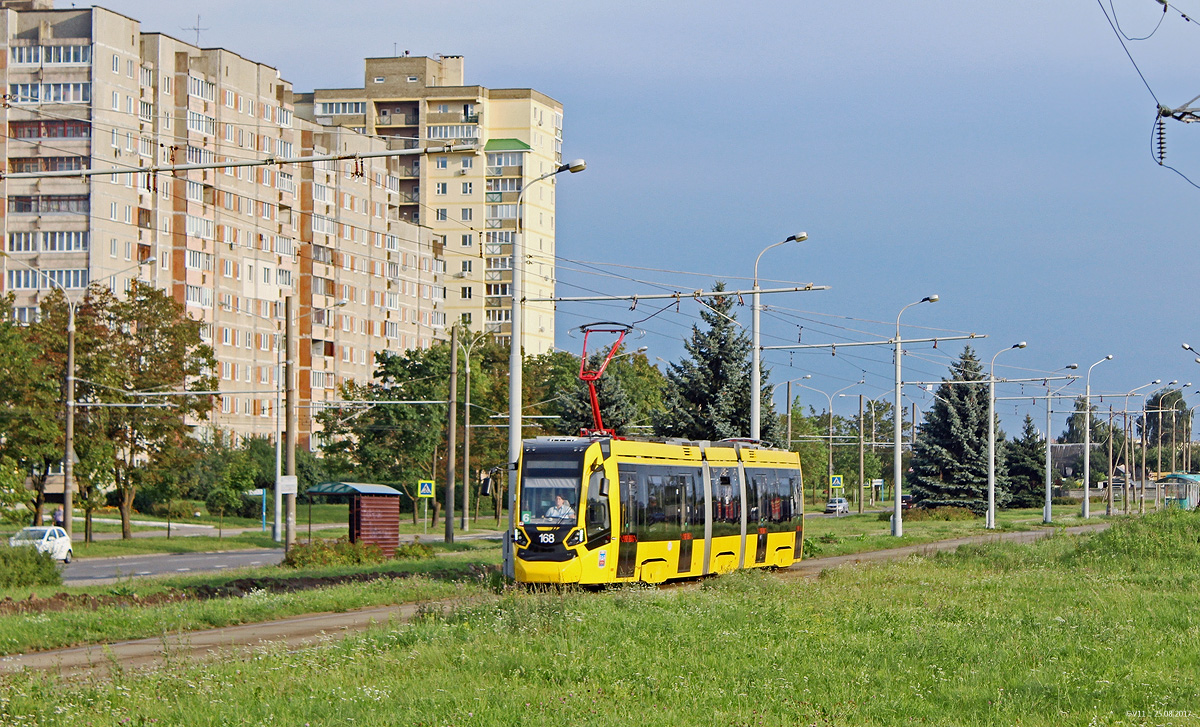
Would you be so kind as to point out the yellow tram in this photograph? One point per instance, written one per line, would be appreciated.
(600, 509)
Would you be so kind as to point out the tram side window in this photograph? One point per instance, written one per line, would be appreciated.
(756, 498)
(660, 510)
(726, 502)
(692, 484)
(627, 476)
(599, 528)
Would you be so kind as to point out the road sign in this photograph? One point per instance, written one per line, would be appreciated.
(424, 488)
(288, 484)
(835, 480)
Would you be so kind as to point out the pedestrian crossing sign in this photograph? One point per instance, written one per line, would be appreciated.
(835, 480)
(424, 488)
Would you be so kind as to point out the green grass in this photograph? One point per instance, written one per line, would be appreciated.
(178, 544)
(1100, 629)
(80, 625)
(847, 534)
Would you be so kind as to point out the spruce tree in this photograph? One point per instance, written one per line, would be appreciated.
(1025, 459)
(950, 462)
(708, 393)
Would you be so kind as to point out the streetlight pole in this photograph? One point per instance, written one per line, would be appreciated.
(69, 424)
(990, 522)
(1087, 438)
(897, 475)
(829, 398)
(515, 361)
(1047, 512)
(755, 373)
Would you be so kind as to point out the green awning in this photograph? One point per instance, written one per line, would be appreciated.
(506, 145)
(352, 488)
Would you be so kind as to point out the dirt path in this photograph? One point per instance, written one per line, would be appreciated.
(99, 659)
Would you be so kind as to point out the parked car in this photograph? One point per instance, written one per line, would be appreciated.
(837, 505)
(47, 539)
(905, 502)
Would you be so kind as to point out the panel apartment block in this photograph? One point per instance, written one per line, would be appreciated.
(88, 89)
(468, 200)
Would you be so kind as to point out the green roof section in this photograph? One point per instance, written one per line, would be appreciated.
(506, 145)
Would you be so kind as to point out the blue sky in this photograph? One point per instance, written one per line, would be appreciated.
(998, 155)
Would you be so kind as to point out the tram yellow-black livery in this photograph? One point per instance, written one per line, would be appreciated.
(594, 510)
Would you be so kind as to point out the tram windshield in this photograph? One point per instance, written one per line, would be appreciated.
(550, 487)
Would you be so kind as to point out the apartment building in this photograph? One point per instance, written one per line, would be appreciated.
(468, 200)
(87, 88)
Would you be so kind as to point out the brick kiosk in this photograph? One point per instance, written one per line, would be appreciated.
(374, 512)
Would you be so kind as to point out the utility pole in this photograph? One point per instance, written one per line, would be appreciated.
(1109, 505)
(289, 371)
(1142, 503)
(465, 525)
(861, 454)
(451, 430)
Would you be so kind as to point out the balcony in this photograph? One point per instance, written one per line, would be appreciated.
(501, 197)
(452, 117)
(396, 120)
(504, 171)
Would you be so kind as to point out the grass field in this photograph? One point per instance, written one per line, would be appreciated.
(1101, 629)
(82, 624)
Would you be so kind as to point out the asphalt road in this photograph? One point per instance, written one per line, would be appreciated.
(98, 571)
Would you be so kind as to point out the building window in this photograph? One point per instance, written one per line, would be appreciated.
(468, 240)
(441, 214)
(465, 292)
(468, 162)
(332, 108)
(439, 188)
(466, 266)
(466, 214)
(441, 162)
(467, 187)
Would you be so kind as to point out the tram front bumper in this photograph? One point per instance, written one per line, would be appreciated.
(548, 571)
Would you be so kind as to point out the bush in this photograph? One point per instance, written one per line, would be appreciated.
(27, 566)
(332, 552)
(933, 514)
(414, 551)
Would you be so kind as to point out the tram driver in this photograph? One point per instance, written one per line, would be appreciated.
(561, 509)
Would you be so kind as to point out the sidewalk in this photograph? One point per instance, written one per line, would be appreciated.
(300, 631)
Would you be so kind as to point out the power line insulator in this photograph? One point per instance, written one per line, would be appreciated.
(1160, 133)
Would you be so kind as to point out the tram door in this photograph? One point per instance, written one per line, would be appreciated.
(627, 547)
(691, 490)
(758, 512)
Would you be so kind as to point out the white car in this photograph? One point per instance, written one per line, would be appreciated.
(48, 539)
(837, 505)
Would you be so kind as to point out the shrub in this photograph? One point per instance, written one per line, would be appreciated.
(27, 566)
(414, 551)
(332, 552)
(933, 513)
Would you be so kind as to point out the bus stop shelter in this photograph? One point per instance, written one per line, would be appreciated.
(374, 512)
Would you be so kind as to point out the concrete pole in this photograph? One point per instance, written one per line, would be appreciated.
(1142, 502)
(897, 474)
(789, 417)
(990, 521)
(451, 431)
(756, 350)
(1047, 514)
(289, 502)
(861, 455)
(1108, 510)
(69, 433)
(465, 525)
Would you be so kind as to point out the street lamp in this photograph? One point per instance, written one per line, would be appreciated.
(990, 522)
(897, 476)
(515, 360)
(69, 426)
(1047, 511)
(1087, 438)
(755, 374)
(829, 398)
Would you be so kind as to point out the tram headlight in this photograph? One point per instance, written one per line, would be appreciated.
(519, 537)
(576, 538)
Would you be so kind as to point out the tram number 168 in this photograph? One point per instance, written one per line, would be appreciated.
(546, 538)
